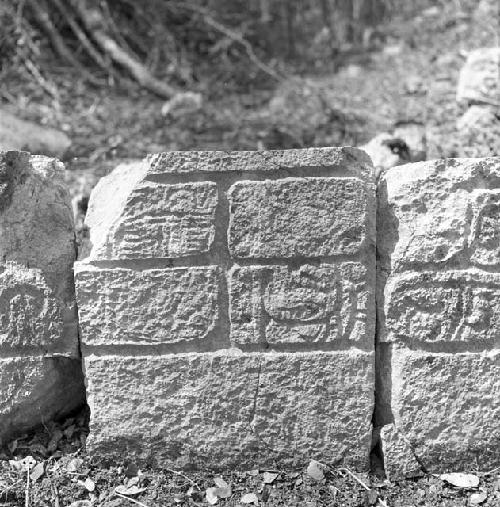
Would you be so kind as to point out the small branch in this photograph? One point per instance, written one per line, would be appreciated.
(235, 36)
(96, 26)
(86, 43)
(133, 500)
(184, 476)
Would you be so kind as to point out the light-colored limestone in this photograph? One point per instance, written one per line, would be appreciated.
(40, 374)
(439, 315)
(126, 306)
(230, 408)
(226, 304)
(310, 304)
(479, 80)
(129, 217)
(296, 217)
(447, 407)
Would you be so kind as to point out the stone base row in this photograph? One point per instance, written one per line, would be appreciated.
(445, 411)
(228, 408)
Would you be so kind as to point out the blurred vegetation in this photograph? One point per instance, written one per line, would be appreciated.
(170, 44)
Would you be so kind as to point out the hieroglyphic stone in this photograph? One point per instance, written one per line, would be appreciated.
(439, 281)
(198, 265)
(150, 219)
(454, 306)
(295, 217)
(306, 305)
(126, 306)
(31, 317)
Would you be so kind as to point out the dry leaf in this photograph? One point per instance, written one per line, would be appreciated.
(73, 465)
(220, 482)
(129, 490)
(223, 489)
(248, 498)
(478, 498)
(37, 472)
(89, 484)
(211, 496)
(315, 470)
(460, 480)
(270, 477)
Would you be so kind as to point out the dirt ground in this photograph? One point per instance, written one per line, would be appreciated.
(62, 475)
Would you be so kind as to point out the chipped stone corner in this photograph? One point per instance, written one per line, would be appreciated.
(399, 458)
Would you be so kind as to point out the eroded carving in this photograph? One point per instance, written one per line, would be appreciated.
(309, 304)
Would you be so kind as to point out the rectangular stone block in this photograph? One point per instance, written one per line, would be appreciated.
(343, 160)
(446, 407)
(441, 213)
(155, 220)
(298, 217)
(120, 306)
(439, 245)
(444, 307)
(35, 390)
(219, 410)
(306, 306)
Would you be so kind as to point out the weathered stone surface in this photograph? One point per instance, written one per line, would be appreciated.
(439, 314)
(298, 217)
(35, 390)
(447, 406)
(36, 221)
(32, 319)
(343, 160)
(215, 410)
(441, 213)
(18, 134)
(126, 306)
(132, 218)
(479, 80)
(399, 459)
(310, 305)
(226, 307)
(40, 372)
(447, 307)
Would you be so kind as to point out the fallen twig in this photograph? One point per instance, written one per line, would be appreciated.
(133, 500)
(362, 484)
(184, 476)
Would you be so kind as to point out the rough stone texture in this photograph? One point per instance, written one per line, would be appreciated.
(31, 316)
(447, 406)
(147, 219)
(37, 302)
(18, 134)
(439, 313)
(126, 306)
(36, 390)
(478, 131)
(400, 460)
(224, 409)
(479, 80)
(310, 304)
(297, 217)
(207, 270)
